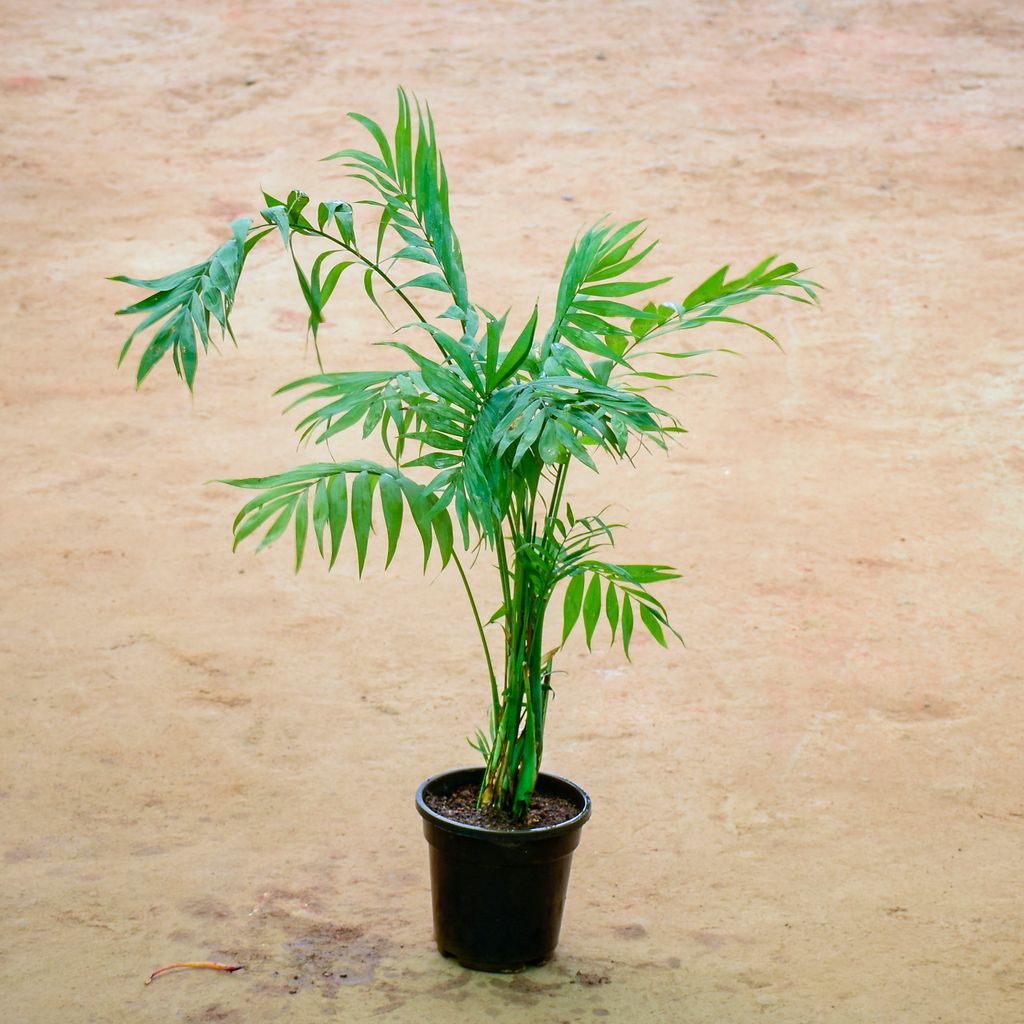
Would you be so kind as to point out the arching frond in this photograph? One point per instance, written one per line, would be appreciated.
(179, 306)
(413, 187)
(341, 493)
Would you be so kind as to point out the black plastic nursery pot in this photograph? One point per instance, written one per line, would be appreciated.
(498, 896)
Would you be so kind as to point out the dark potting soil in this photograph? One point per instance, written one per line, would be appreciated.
(460, 805)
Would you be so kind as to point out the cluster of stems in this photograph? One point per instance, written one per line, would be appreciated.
(520, 709)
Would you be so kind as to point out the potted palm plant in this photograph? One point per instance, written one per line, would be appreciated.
(482, 420)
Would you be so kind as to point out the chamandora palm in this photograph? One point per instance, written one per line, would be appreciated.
(481, 423)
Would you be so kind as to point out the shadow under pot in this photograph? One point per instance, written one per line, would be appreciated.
(498, 895)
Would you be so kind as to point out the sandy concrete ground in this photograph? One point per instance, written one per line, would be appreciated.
(811, 814)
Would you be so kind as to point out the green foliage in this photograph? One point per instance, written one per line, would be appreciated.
(181, 304)
(285, 498)
(481, 421)
(412, 187)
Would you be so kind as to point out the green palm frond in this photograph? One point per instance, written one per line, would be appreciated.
(284, 500)
(624, 586)
(710, 302)
(352, 398)
(412, 183)
(587, 305)
(182, 304)
(556, 417)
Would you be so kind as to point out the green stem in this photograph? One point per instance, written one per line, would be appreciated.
(556, 495)
(377, 269)
(483, 638)
(366, 261)
(496, 770)
(513, 767)
(506, 593)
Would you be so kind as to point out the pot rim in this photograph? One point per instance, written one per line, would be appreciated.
(530, 834)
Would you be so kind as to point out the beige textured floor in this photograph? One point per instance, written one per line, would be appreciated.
(811, 814)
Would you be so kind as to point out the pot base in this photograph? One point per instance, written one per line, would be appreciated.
(474, 965)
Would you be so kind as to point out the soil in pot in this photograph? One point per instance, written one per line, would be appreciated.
(460, 805)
